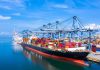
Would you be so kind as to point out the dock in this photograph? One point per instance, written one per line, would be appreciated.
(94, 56)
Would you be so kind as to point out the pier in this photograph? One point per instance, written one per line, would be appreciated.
(94, 56)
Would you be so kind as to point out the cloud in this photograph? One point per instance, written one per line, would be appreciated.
(16, 14)
(12, 1)
(92, 26)
(4, 17)
(5, 33)
(63, 6)
(5, 7)
(12, 4)
(86, 4)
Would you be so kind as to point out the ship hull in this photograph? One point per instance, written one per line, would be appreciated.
(75, 55)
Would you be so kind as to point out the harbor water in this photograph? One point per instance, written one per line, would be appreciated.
(13, 58)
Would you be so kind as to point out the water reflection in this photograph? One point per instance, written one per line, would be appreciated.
(12, 58)
(43, 63)
(50, 64)
(16, 47)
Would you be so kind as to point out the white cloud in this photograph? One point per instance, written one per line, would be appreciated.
(5, 33)
(11, 1)
(5, 7)
(12, 4)
(16, 14)
(92, 26)
(64, 6)
(4, 17)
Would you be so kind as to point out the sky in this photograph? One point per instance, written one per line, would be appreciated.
(29, 14)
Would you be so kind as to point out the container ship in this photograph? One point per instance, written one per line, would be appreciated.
(56, 49)
(60, 50)
(62, 44)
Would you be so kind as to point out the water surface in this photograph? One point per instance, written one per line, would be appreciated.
(11, 59)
